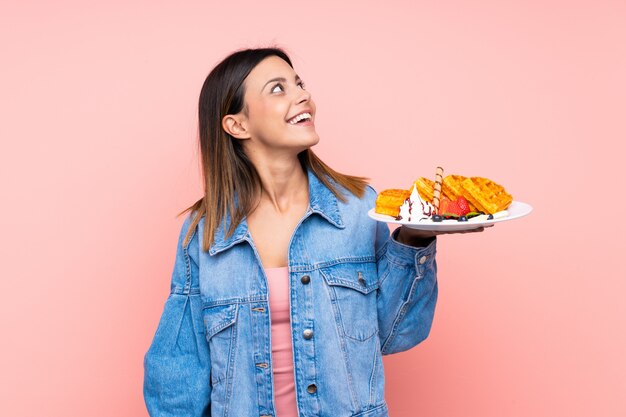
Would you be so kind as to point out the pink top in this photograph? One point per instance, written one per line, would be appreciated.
(282, 356)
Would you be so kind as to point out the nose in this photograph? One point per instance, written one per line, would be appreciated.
(303, 96)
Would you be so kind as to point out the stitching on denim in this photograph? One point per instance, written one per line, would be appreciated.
(317, 398)
(188, 279)
(225, 301)
(231, 319)
(332, 221)
(258, 347)
(180, 323)
(362, 340)
(384, 276)
(394, 260)
(230, 370)
(371, 410)
(374, 374)
(388, 271)
(217, 249)
(297, 369)
(216, 381)
(342, 342)
(403, 308)
(413, 288)
(345, 260)
(181, 291)
(338, 309)
(187, 271)
(305, 267)
(330, 280)
(216, 329)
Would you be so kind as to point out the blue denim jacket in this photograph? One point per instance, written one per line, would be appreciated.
(356, 294)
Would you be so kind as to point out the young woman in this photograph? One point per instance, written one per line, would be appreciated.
(284, 294)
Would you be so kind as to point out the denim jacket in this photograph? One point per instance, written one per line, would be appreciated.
(356, 293)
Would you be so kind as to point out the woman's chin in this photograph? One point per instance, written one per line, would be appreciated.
(312, 142)
(306, 141)
(314, 139)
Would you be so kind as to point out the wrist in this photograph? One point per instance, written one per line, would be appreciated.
(413, 237)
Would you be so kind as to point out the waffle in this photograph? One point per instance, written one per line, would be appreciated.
(425, 188)
(453, 188)
(482, 194)
(389, 201)
(486, 195)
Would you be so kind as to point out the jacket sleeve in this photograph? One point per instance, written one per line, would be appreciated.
(407, 292)
(177, 364)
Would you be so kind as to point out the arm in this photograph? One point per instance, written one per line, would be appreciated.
(177, 364)
(407, 291)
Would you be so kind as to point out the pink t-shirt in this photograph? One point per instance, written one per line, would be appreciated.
(282, 356)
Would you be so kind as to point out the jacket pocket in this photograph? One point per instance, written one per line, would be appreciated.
(352, 287)
(221, 335)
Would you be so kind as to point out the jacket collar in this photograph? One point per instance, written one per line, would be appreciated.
(321, 201)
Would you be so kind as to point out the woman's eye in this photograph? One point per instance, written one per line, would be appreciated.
(301, 84)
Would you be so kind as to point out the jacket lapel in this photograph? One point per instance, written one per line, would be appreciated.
(321, 201)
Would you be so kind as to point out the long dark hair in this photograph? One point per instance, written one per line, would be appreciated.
(226, 169)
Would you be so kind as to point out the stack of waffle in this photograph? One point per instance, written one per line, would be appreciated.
(389, 201)
(482, 194)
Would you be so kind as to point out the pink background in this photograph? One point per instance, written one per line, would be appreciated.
(98, 154)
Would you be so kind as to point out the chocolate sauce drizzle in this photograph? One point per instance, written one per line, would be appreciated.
(425, 212)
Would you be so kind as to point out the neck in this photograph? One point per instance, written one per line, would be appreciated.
(284, 183)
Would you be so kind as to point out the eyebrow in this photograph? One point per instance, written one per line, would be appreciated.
(283, 79)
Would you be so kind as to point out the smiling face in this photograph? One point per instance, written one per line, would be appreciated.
(274, 94)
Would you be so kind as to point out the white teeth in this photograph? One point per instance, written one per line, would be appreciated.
(300, 117)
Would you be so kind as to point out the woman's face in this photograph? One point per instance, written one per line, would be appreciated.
(272, 103)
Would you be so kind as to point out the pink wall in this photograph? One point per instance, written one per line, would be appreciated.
(98, 154)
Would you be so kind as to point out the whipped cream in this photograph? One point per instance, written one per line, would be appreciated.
(414, 209)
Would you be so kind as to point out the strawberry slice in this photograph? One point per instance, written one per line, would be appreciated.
(453, 208)
(443, 205)
(449, 208)
(463, 205)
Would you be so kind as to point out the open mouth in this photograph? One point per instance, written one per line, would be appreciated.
(301, 119)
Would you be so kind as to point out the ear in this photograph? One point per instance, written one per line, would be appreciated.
(235, 125)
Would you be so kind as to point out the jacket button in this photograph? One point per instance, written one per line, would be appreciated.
(311, 389)
(307, 334)
(423, 259)
(305, 279)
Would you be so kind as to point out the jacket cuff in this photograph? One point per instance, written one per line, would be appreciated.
(410, 255)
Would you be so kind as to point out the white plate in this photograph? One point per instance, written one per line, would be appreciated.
(516, 210)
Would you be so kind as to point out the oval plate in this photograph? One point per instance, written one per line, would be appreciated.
(516, 210)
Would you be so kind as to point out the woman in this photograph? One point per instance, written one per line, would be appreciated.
(284, 294)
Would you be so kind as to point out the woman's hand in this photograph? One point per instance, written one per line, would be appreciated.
(419, 238)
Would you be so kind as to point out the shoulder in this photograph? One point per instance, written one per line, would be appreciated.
(370, 193)
(363, 203)
(186, 228)
(188, 239)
